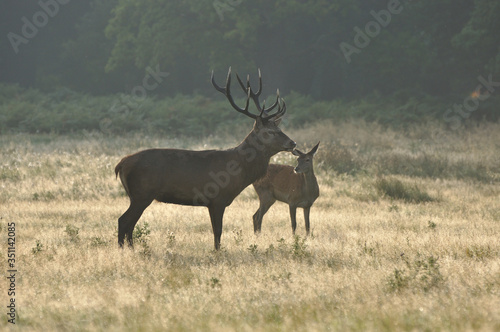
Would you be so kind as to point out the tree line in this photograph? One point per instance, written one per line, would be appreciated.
(336, 49)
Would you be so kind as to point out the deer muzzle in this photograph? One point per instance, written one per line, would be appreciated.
(290, 145)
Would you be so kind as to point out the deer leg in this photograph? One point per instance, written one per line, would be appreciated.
(306, 218)
(216, 214)
(264, 206)
(127, 221)
(293, 215)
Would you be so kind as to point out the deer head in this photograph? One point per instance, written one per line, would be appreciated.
(266, 131)
(305, 160)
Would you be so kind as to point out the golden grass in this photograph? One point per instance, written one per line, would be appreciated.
(372, 263)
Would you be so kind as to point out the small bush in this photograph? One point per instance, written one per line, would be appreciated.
(72, 232)
(171, 237)
(10, 174)
(480, 253)
(44, 196)
(37, 248)
(299, 248)
(398, 280)
(141, 232)
(238, 236)
(431, 224)
(253, 249)
(395, 189)
(426, 273)
(421, 274)
(215, 283)
(98, 242)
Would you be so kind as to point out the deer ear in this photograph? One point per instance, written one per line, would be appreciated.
(297, 153)
(313, 150)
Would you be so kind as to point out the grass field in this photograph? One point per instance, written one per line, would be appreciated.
(405, 237)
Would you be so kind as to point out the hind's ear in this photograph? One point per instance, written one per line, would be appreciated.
(313, 150)
(297, 153)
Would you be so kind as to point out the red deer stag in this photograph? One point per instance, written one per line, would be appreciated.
(296, 187)
(211, 178)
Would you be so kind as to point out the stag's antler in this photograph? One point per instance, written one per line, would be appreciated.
(255, 97)
(227, 92)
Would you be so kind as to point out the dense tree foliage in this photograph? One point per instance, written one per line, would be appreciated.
(327, 49)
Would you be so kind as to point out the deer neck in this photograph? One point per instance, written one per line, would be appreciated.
(254, 157)
(310, 183)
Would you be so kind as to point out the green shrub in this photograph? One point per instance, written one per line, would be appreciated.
(64, 111)
(98, 242)
(141, 232)
(10, 174)
(72, 232)
(421, 274)
(37, 248)
(299, 248)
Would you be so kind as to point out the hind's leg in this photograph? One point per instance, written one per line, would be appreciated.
(306, 219)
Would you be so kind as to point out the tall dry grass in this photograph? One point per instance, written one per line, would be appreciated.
(374, 262)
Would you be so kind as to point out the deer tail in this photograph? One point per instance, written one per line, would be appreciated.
(118, 168)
